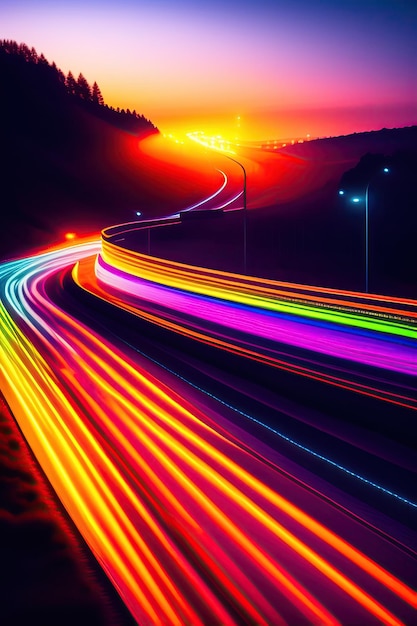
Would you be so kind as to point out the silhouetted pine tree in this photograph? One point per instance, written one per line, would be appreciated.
(71, 84)
(42, 60)
(83, 89)
(96, 96)
(28, 55)
(51, 83)
(59, 73)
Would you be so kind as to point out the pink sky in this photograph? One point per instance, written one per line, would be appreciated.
(286, 68)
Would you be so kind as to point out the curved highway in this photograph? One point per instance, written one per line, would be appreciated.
(233, 451)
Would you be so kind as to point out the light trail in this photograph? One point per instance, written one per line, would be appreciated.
(269, 295)
(285, 437)
(219, 205)
(278, 328)
(209, 310)
(193, 521)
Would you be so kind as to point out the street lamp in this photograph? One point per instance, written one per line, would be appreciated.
(356, 200)
(244, 211)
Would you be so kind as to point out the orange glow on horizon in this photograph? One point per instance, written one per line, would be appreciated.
(261, 125)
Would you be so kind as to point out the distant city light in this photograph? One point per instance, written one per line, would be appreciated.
(138, 213)
(356, 199)
(341, 192)
(70, 236)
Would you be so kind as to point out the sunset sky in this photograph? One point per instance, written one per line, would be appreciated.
(285, 68)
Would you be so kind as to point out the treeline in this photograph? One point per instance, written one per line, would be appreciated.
(51, 78)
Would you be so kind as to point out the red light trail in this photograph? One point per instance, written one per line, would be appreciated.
(194, 519)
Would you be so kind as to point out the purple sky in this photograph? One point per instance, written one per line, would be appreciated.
(285, 68)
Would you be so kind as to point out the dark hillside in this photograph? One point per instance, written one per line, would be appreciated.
(301, 230)
(320, 236)
(346, 147)
(44, 130)
(72, 163)
(69, 161)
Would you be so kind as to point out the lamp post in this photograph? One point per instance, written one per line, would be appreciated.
(356, 200)
(244, 211)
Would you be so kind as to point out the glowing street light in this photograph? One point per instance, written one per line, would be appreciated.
(357, 199)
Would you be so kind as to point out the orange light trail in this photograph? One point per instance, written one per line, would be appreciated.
(187, 519)
(319, 530)
(271, 295)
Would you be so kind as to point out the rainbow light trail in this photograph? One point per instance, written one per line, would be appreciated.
(195, 520)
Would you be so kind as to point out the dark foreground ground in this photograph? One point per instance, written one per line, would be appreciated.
(49, 577)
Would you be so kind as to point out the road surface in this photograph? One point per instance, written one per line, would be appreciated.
(233, 451)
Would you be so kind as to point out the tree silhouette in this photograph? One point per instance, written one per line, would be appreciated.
(71, 84)
(96, 96)
(59, 73)
(42, 60)
(83, 89)
(51, 83)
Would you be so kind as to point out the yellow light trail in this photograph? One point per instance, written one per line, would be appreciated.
(187, 520)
